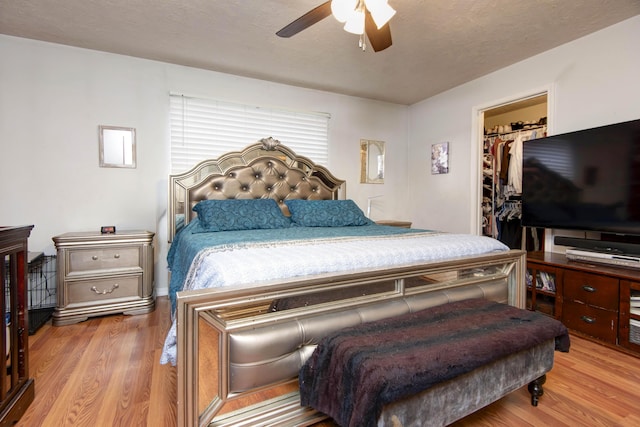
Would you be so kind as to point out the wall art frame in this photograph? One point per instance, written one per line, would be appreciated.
(440, 158)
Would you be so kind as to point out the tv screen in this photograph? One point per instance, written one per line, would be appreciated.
(584, 180)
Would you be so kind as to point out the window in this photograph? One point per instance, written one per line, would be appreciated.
(204, 129)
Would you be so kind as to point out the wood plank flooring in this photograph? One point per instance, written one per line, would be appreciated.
(105, 372)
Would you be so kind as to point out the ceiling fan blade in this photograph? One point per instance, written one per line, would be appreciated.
(380, 39)
(306, 20)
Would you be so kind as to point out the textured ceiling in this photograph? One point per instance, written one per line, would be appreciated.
(437, 44)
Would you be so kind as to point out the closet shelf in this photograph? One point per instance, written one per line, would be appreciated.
(515, 131)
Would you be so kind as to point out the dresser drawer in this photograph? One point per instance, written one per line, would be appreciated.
(592, 289)
(596, 322)
(90, 260)
(100, 291)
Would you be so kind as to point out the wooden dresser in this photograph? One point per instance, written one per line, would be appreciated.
(597, 301)
(16, 388)
(101, 274)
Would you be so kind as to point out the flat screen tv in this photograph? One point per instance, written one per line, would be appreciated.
(584, 180)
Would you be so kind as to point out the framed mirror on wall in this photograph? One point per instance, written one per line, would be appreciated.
(117, 147)
(371, 161)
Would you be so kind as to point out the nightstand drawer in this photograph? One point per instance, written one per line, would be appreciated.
(591, 289)
(99, 291)
(90, 260)
(592, 321)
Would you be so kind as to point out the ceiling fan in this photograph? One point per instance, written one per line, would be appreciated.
(359, 16)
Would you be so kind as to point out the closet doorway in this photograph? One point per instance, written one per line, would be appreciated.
(505, 127)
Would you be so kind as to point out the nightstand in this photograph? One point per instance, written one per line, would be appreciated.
(101, 274)
(394, 223)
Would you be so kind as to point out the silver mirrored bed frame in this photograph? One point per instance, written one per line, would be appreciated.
(238, 358)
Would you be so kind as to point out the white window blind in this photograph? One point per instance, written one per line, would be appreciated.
(204, 129)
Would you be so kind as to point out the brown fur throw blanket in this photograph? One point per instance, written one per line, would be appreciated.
(354, 372)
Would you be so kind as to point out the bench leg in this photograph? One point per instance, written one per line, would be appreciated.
(535, 388)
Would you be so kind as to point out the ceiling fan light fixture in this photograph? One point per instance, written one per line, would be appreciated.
(380, 10)
(358, 18)
(355, 23)
(342, 9)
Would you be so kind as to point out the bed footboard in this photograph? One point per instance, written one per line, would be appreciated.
(240, 350)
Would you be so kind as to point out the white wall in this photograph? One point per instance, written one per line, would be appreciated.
(54, 97)
(593, 81)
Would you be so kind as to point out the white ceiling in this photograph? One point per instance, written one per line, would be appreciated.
(437, 44)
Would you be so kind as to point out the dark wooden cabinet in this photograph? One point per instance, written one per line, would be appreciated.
(590, 304)
(16, 388)
(629, 331)
(591, 289)
(544, 288)
(598, 301)
(592, 321)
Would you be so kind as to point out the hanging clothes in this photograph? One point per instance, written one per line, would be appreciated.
(511, 233)
(514, 179)
(503, 222)
(509, 225)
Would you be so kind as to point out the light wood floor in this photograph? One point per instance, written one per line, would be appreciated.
(105, 372)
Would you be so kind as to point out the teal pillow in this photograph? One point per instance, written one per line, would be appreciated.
(326, 213)
(240, 214)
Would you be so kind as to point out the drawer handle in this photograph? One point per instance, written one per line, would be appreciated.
(588, 288)
(105, 291)
(589, 320)
(95, 257)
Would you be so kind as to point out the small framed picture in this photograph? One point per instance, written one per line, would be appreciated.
(440, 158)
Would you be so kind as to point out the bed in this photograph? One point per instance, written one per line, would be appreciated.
(268, 256)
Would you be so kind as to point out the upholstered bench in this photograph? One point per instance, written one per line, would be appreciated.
(431, 367)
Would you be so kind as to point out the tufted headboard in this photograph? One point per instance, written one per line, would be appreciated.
(265, 169)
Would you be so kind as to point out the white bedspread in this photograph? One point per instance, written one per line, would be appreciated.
(247, 265)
